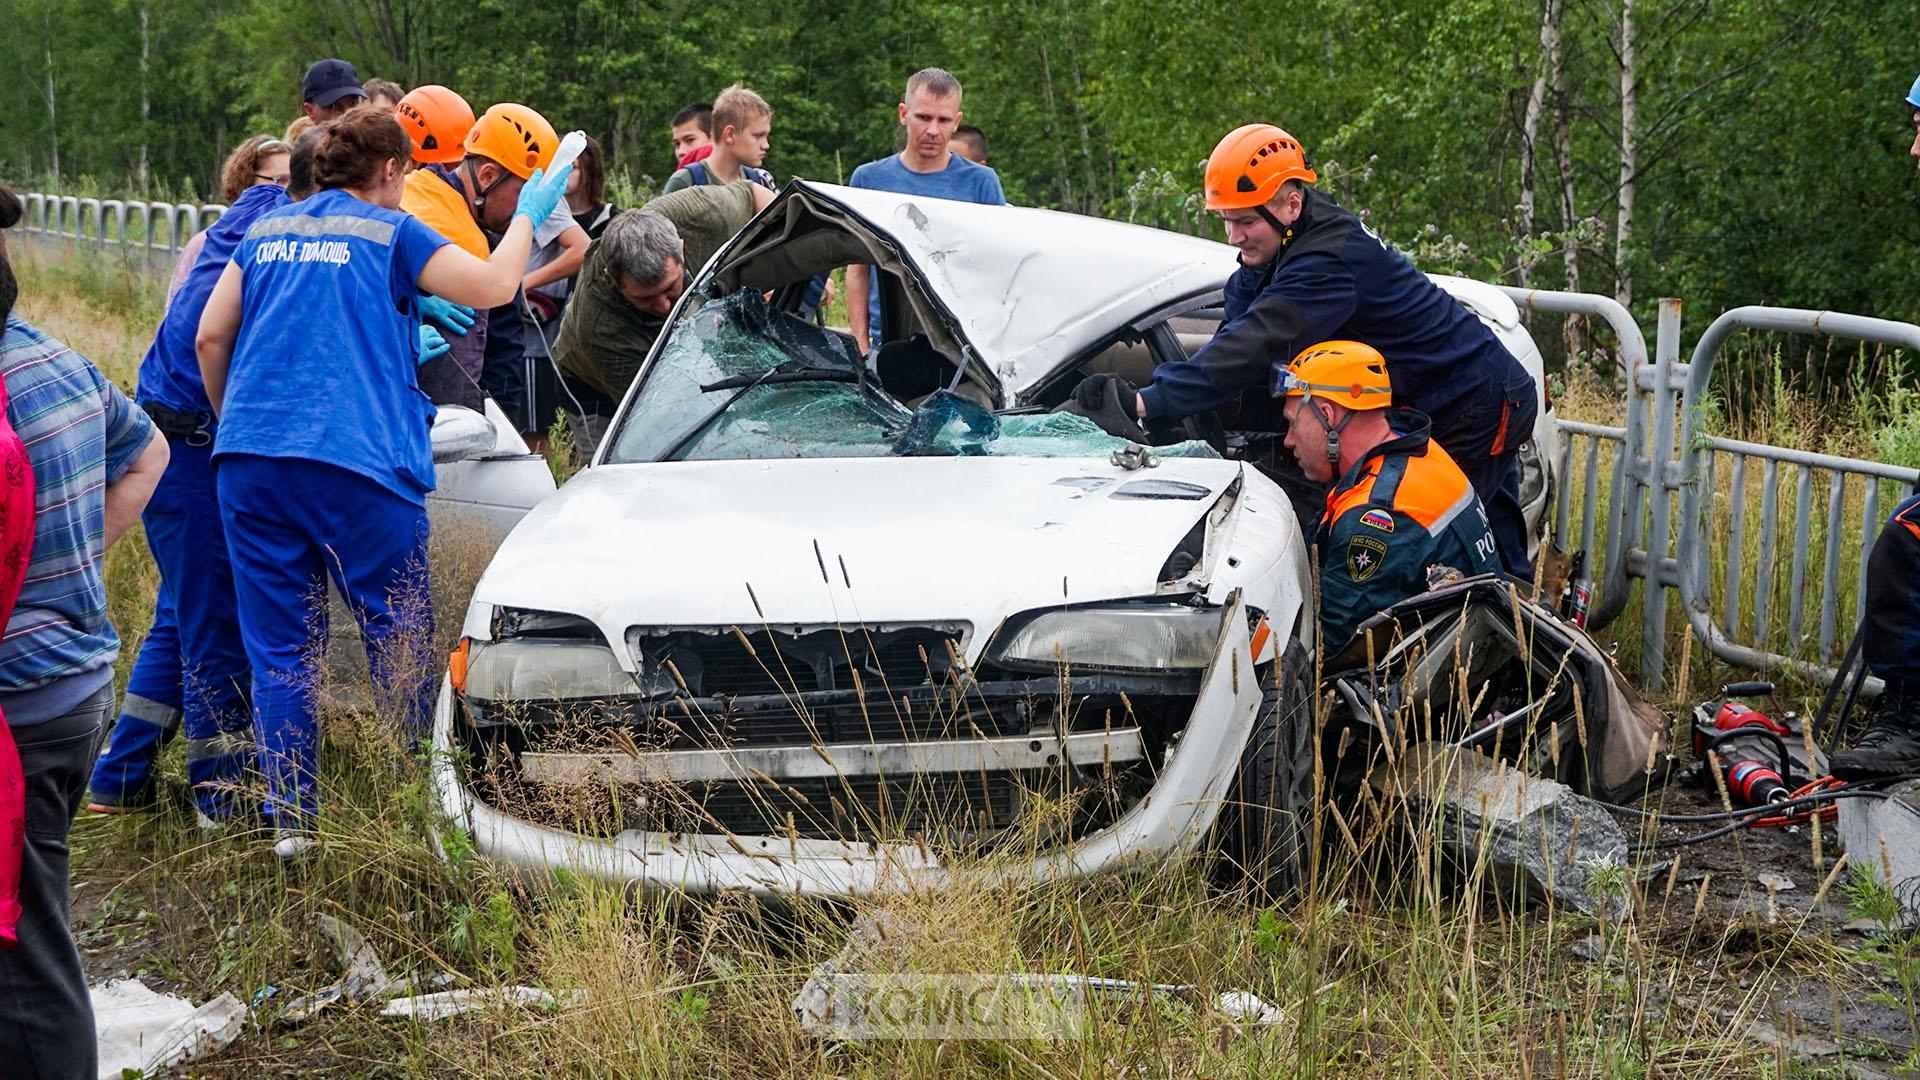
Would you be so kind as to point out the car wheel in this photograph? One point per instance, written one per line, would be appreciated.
(1269, 832)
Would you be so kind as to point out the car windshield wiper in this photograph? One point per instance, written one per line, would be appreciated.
(782, 373)
(743, 384)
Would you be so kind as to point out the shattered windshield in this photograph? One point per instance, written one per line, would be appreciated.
(712, 394)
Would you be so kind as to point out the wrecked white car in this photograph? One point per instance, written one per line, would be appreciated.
(813, 624)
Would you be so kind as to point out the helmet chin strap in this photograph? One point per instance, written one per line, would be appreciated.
(1285, 232)
(479, 199)
(1333, 433)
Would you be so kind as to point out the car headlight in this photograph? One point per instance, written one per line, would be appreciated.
(1133, 638)
(544, 671)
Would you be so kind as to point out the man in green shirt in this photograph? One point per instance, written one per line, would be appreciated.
(628, 285)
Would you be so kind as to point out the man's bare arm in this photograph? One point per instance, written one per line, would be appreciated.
(127, 496)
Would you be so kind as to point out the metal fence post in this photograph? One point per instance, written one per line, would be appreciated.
(1653, 599)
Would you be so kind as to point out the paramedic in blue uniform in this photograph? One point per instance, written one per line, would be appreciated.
(192, 671)
(323, 459)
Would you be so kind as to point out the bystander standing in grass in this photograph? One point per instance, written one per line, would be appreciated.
(95, 460)
(330, 90)
(384, 92)
(742, 130)
(929, 113)
(970, 143)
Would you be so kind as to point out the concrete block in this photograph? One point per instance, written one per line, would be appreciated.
(1525, 832)
(1883, 835)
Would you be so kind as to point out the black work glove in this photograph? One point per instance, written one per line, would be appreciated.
(1107, 400)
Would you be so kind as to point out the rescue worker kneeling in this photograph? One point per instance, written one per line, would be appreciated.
(1399, 504)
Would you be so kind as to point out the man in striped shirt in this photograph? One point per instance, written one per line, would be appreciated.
(95, 462)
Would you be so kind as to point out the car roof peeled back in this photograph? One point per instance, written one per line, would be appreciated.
(1019, 289)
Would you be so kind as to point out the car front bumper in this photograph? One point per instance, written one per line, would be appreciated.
(1194, 778)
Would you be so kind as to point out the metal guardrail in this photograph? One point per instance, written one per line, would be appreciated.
(1696, 479)
(1622, 530)
(155, 230)
(1660, 459)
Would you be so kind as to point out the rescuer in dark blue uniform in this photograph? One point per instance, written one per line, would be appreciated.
(1890, 647)
(1310, 271)
(1890, 638)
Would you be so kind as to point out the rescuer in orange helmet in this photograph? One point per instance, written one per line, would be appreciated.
(469, 180)
(1399, 504)
(1311, 271)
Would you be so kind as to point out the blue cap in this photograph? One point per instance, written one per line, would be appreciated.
(328, 81)
(1913, 95)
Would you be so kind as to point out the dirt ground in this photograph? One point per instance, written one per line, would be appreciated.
(1761, 891)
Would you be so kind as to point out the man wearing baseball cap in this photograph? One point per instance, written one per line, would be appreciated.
(330, 89)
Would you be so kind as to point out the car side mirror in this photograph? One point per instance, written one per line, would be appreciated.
(460, 434)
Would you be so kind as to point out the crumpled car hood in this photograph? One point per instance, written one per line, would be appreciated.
(848, 540)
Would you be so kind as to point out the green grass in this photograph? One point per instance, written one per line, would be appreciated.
(1387, 967)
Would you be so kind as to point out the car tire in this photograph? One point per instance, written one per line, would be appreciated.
(1269, 834)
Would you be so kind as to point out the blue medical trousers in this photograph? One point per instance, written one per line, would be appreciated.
(192, 670)
(291, 524)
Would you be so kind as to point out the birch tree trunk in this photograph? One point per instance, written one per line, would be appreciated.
(1629, 120)
(1063, 182)
(1091, 205)
(53, 111)
(1563, 161)
(1530, 129)
(146, 43)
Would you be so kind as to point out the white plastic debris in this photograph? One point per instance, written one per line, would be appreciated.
(861, 994)
(365, 976)
(1248, 1008)
(1883, 835)
(143, 1031)
(456, 1002)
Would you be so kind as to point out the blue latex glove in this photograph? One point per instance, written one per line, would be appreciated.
(432, 345)
(450, 317)
(540, 194)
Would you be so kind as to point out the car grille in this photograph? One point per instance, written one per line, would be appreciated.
(890, 721)
(776, 690)
(720, 667)
(730, 661)
(937, 808)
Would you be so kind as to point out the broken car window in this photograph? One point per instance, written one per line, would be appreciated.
(731, 340)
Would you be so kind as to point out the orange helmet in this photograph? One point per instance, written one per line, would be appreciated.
(1350, 373)
(1248, 167)
(437, 120)
(518, 138)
